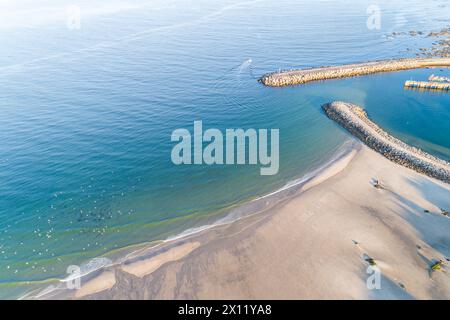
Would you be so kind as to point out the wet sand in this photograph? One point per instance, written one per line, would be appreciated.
(314, 245)
(354, 118)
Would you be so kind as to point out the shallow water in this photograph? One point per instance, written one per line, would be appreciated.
(87, 114)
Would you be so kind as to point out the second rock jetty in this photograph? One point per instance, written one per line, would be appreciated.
(294, 77)
(355, 120)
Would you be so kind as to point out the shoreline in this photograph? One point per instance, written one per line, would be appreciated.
(355, 120)
(318, 238)
(302, 76)
(337, 162)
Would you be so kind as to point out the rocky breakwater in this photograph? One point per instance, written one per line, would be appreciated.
(355, 120)
(294, 77)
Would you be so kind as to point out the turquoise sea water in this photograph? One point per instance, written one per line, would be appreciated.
(87, 114)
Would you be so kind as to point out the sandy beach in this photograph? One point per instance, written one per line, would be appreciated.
(314, 245)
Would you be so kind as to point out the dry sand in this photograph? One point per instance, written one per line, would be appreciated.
(310, 246)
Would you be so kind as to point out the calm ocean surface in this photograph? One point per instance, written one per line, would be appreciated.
(87, 114)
